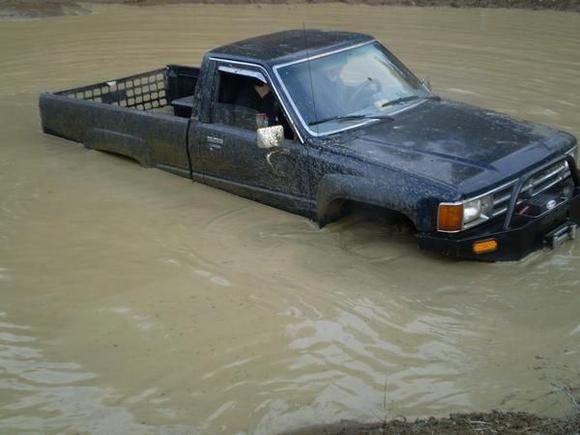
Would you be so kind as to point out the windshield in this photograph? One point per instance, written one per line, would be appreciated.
(340, 90)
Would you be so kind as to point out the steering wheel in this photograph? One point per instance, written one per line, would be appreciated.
(368, 84)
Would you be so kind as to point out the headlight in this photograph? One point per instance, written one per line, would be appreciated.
(461, 215)
(477, 209)
(471, 211)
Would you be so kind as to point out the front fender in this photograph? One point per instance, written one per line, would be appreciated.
(410, 196)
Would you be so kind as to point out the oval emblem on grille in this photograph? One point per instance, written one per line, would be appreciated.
(551, 204)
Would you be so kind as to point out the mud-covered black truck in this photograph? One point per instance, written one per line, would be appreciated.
(349, 125)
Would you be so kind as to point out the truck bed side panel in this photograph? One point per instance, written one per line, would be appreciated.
(152, 138)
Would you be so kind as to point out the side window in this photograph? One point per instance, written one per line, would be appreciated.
(226, 107)
(246, 101)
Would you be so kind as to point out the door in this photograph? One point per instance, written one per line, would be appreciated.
(227, 143)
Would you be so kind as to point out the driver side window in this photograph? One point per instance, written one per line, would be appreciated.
(246, 102)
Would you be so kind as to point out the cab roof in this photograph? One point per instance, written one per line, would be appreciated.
(289, 45)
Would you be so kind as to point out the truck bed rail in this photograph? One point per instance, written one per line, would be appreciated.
(145, 91)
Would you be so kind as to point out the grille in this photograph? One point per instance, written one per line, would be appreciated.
(544, 180)
(540, 182)
(501, 200)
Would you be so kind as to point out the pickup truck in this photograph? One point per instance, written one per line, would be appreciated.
(352, 126)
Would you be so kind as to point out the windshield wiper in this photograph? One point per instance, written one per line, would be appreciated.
(350, 118)
(402, 100)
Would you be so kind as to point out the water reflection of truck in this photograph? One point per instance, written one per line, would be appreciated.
(353, 126)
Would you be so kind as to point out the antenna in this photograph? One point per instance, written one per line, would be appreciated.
(310, 74)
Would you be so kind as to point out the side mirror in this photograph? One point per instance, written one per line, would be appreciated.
(270, 137)
(426, 82)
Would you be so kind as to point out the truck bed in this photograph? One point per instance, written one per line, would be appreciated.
(143, 116)
(145, 91)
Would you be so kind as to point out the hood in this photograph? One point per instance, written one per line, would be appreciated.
(464, 147)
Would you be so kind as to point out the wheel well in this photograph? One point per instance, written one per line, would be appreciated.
(121, 156)
(341, 208)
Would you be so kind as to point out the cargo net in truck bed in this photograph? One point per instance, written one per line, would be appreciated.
(144, 91)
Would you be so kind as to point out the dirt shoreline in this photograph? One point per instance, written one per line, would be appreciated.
(47, 8)
(495, 422)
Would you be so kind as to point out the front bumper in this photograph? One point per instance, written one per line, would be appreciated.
(512, 244)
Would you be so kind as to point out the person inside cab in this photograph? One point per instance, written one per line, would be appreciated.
(258, 96)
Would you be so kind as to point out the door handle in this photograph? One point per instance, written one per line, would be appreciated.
(215, 143)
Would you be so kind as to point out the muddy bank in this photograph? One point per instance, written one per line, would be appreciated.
(506, 423)
(42, 8)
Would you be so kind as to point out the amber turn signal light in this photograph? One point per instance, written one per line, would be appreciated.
(450, 217)
(485, 246)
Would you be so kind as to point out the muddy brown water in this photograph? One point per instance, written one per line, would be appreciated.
(134, 301)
